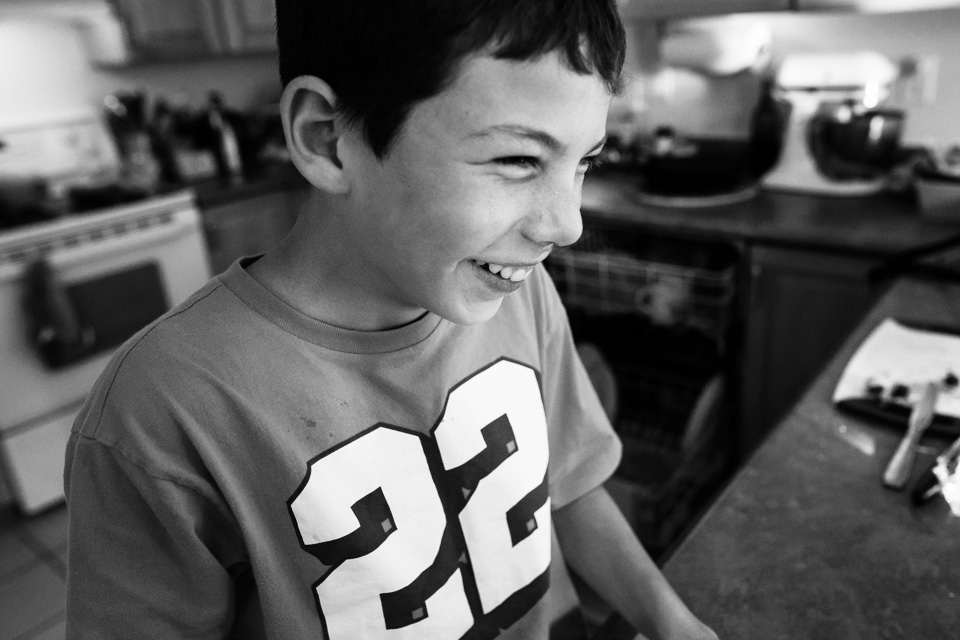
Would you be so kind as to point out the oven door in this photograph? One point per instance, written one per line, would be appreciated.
(70, 293)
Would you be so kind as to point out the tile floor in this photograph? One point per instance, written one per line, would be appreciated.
(33, 567)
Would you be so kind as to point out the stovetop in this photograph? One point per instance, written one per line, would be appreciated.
(58, 164)
(79, 200)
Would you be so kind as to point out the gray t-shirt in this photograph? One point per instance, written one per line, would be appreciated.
(241, 469)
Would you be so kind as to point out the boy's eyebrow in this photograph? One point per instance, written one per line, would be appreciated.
(520, 131)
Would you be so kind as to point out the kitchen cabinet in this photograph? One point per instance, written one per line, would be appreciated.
(171, 29)
(680, 9)
(874, 6)
(190, 29)
(801, 304)
(249, 25)
(249, 226)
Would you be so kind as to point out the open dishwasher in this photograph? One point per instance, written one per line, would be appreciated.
(653, 319)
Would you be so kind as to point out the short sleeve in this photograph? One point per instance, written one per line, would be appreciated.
(148, 556)
(584, 449)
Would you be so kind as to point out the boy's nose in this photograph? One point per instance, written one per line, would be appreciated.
(555, 218)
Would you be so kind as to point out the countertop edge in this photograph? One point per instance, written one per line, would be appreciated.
(876, 226)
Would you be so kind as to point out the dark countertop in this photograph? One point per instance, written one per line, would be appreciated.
(873, 225)
(270, 179)
(806, 543)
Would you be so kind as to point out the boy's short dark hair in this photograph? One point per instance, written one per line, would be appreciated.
(382, 58)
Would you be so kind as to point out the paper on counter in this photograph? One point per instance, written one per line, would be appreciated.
(896, 354)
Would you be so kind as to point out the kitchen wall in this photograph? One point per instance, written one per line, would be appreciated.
(44, 68)
(722, 106)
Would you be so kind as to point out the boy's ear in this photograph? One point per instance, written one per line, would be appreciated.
(307, 109)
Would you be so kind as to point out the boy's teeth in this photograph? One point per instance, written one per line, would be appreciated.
(514, 274)
(520, 274)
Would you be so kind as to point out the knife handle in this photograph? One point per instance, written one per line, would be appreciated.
(898, 470)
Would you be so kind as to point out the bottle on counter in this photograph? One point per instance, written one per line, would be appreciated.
(226, 146)
(188, 137)
(768, 122)
(163, 135)
(125, 112)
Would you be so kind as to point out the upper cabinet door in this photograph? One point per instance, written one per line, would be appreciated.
(876, 6)
(667, 9)
(664, 9)
(172, 29)
(249, 25)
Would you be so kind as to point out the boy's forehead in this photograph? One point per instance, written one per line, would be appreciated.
(488, 66)
(493, 97)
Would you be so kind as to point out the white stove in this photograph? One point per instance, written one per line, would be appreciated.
(70, 292)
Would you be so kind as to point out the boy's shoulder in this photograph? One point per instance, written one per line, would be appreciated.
(217, 323)
(135, 399)
(199, 319)
(174, 351)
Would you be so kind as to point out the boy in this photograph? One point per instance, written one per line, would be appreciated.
(348, 437)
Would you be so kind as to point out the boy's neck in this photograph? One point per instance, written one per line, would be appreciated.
(310, 271)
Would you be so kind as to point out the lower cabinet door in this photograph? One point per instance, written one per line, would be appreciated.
(802, 304)
(247, 227)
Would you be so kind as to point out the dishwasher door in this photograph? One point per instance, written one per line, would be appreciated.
(653, 318)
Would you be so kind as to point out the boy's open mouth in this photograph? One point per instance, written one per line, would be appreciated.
(513, 274)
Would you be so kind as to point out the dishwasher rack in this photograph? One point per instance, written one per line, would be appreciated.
(674, 454)
(659, 314)
(674, 421)
(683, 285)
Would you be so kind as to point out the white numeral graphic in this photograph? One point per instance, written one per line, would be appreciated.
(512, 389)
(371, 511)
(349, 596)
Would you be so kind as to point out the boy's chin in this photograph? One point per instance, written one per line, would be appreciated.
(473, 313)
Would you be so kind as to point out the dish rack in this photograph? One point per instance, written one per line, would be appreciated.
(674, 454)
(681, 285)
(659, 314)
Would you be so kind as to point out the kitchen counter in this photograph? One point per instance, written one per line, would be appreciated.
(805, 542)
(872, 225)
(270, 179)
(875, 225)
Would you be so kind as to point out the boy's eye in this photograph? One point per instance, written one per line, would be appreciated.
(526, 164)
(521, 162)
(590, 163)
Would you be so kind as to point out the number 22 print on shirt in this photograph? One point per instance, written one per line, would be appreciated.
(434, 537)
